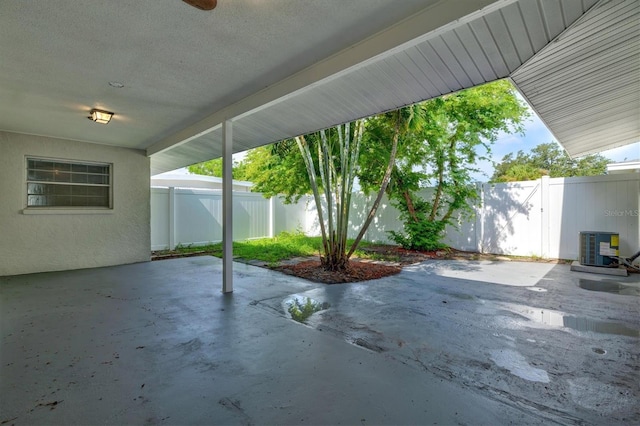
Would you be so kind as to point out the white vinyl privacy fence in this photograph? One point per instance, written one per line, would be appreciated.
(533, 218)
(181, 216)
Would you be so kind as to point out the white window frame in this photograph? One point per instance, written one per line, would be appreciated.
(33, 209)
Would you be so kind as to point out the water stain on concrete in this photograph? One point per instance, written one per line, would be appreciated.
(518, 365)
(609, 287)
(604, 398)
(560, 319)
(458, 295)
(587, 324)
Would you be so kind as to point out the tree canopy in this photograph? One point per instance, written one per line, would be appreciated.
(440, 151)
(214, 168)
(547, 159)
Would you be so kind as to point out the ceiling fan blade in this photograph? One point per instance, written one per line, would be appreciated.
(202, 4)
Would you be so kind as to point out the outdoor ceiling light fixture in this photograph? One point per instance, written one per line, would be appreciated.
(99, 116)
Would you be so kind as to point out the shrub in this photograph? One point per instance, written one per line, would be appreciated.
(422, 235)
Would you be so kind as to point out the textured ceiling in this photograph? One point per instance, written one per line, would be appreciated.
(178, 64)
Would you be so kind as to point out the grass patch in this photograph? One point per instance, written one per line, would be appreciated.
(272, 250)
(285, 246)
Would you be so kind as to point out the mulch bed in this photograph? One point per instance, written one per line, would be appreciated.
(364, 270)
(357, 271)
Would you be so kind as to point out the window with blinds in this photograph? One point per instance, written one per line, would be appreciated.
(60, 183)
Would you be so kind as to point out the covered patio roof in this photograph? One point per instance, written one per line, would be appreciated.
(287, 67)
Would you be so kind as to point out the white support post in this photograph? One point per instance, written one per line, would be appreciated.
(227, 207)
(544, 218)
(172, 218)
(272, 216)
(480, 219)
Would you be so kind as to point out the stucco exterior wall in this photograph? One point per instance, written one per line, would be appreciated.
(51, 242)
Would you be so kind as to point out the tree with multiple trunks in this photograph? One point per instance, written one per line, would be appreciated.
(326, 164)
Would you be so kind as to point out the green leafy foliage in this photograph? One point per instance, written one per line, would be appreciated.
(439, 150)
(275, 169)
(214, 168)
(278, 169)
(547, 159)
(302, 311)
(421, 235)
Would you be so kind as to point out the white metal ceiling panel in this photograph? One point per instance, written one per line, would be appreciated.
(408, 60)
(471, 44)
(463, 57)
(553, 16)
(504, 41)
(586, 85)
(489, 47)
(536, 28)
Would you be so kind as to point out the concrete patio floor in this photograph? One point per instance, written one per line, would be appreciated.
(446, 342)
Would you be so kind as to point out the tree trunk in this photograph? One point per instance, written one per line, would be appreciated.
(308, 161)
(410, 207)
(406, 194)
(383, 187)
(441, 167)
(336, 188)
(436, 200)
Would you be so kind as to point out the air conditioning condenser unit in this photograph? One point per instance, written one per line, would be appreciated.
(596, 247)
